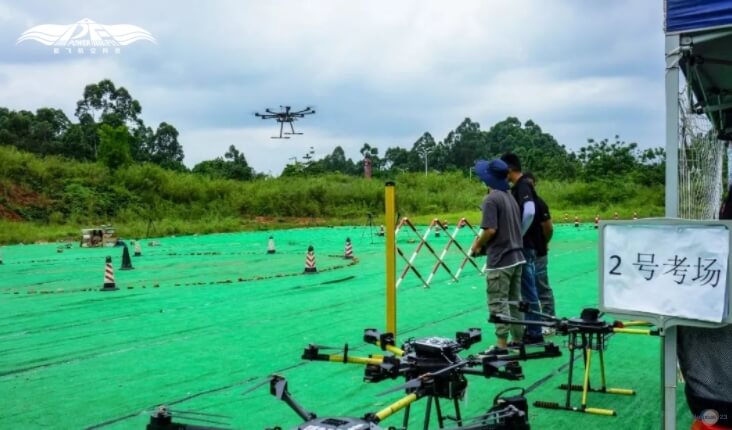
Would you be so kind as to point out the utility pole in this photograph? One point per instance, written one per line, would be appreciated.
(424, 152)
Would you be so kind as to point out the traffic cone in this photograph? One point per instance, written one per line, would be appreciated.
(126, 260)
(576, 222)
(616, 216)
(310, 260)
(635, 216)
(597, 221)
(109, 284)
(566, 217)
(270, 245)
(138, 249)
(381, 231)
(349, 249)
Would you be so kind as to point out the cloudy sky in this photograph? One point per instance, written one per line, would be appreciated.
(381, 72)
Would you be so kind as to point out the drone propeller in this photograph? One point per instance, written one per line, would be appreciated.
(165, 413)
(266, 380)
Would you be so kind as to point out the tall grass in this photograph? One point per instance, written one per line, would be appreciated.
(56, 197)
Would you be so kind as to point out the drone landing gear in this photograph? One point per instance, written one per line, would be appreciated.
(438, 410)
(587, 342)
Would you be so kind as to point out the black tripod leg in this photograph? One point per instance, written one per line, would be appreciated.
(405, 421)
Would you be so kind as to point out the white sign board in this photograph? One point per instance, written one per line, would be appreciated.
(666, 269)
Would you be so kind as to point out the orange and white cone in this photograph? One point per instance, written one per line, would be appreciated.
(310, 260)
(576, 221)
(109, 284)
(349, 250)
(597, 221)
(138, 249)
(271, 246)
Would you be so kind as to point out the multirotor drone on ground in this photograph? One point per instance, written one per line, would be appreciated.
(285, 115)
(433, 369)
(588, 333)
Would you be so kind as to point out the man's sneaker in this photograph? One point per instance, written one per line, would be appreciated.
(495, 350)
(533, 340)
(548, 331)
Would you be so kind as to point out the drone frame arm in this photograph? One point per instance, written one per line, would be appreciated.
(394, 407)
(312, 353)
(278, 388)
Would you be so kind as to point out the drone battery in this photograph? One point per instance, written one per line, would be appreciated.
(435, 346)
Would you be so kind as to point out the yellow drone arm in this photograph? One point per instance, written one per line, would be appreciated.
(647, 332)
(393, 349)
(338, 358)
(635, 323)
(396, 406)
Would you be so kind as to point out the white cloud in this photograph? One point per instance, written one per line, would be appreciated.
(382, 71)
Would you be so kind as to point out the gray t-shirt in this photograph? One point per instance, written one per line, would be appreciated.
(501, 212)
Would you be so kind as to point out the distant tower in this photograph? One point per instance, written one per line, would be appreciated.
(367, 168)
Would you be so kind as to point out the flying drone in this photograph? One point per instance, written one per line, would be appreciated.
(285, 115)
(587, 333)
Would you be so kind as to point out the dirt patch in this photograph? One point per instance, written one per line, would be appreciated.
(15, 198)
(6, 213)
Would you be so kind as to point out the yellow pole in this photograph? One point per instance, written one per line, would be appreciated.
(390, 210)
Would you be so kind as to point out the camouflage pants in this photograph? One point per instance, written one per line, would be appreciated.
(504, 285)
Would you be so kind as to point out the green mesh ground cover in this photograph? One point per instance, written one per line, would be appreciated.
(225, 315)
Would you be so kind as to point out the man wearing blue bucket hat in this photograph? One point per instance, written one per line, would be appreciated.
(501, 240)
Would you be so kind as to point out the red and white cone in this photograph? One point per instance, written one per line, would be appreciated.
(635, 216)
(310, 260)
(576, 221)
(109, 284)
(349, 249)
(271, 246)
(597, 221)
(138, 249)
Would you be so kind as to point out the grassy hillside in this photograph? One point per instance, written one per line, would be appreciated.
(51, 198)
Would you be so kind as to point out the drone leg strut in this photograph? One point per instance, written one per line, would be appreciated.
(405, 420)
(427, 412)
(438, 409)
(586, 382)
(572, 339)
(457, 412)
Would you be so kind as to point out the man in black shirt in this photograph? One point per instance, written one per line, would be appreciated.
(525, 196)
(544, 219)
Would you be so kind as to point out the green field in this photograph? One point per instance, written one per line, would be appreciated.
(203, 318)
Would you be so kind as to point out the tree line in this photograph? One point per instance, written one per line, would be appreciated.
(110, 130)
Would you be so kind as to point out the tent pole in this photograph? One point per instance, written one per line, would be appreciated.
(668, 352)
